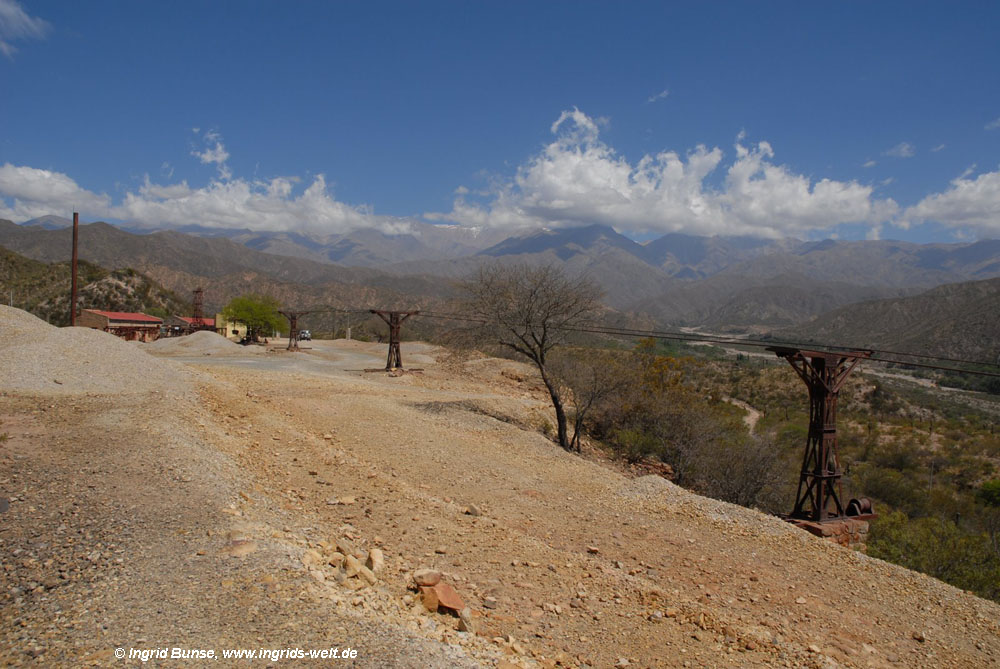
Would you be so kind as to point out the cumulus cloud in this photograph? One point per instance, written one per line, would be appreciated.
(939, 147)
(275, 204)
(16, 25)
(869, 163)
(901, 150)
(578, 179)
(28, 193)
(258, 205)
(993, 125)
(969, 203)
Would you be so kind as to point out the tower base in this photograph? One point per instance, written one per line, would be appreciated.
(850, 532)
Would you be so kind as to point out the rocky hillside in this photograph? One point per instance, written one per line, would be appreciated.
(224, 268)
(43, 289)
(956, 320)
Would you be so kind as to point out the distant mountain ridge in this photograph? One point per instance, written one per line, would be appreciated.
(677, 279)
(224, 268)
(955, 320)
(359, 248)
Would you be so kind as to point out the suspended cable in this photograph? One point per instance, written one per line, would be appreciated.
(715, 339)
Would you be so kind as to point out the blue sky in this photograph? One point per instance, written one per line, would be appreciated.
(811, 120)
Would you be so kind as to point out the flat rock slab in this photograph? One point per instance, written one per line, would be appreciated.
(448, 598)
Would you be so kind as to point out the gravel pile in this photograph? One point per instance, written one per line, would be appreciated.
(199, 343)
(38, 358)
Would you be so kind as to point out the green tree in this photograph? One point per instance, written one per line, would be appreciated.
(989, 493)
(258, 312)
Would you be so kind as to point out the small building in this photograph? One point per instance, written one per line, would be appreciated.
(128, 326)
(178, 325)
(229, 329)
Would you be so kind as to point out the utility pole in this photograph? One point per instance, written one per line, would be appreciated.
(72, 292)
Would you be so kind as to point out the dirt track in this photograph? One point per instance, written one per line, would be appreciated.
(185, 522)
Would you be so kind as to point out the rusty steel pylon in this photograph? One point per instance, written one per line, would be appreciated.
(293, 327)
(820, 493)
(394, 319)
(198, 306)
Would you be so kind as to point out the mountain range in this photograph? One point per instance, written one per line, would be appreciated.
(715, 282)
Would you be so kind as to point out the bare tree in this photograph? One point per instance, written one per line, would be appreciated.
(528, 309)
(590, 378)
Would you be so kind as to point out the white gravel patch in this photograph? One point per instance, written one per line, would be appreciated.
(37, 358)
(200, 343)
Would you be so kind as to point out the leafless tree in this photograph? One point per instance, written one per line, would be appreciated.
(528, 309)
(589, 378)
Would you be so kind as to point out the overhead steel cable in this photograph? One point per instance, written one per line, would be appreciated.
(714, 339)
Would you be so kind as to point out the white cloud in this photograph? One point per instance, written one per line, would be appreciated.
(214, 153)
(257, 205)
(15, 25)
(939, 147)
(869, 163)
(901, 150)
(578, 179)
(662, 95)
(27, 192)
(993, 125)
(968, 203)
(272, 204)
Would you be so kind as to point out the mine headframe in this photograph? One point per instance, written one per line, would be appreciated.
(820, 495)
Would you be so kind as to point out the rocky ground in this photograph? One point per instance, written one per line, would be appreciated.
(205, 499)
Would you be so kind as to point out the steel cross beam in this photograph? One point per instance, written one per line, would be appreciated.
(820, 493)
(293, 327)
(394, 319)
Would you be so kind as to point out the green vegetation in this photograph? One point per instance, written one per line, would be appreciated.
(258, 312)
(644, 406)
(926, 457)
(929, 459)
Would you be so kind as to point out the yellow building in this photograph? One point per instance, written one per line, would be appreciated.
(229, 329)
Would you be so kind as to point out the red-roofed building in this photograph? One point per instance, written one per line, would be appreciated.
(186, 324)
(128, 326)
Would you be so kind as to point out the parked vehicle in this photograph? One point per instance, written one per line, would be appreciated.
(305, 335)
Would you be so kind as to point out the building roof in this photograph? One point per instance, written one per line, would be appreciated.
(197, 321)
(126, 316)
